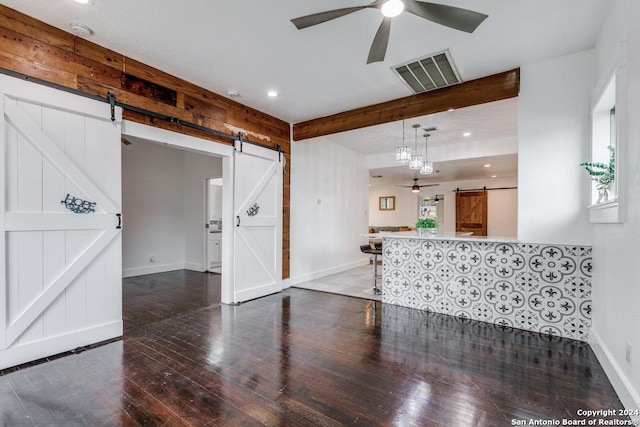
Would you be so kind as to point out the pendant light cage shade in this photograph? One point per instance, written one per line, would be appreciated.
(416, 162)
(403, 154)
(427, 168)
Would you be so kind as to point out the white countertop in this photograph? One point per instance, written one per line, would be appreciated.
(439, 236)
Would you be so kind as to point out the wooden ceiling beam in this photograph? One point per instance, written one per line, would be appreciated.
(486, 89)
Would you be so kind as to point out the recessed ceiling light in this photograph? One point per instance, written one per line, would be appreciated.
(494, 176)
(487, 165)
(272, 94)
(466, 134)
(86, 2)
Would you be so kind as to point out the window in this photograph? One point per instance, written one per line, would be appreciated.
(603, 146)
(607, 145)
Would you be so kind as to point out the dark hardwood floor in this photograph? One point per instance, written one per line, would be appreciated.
(301, 358)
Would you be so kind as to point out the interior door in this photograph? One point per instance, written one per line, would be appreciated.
(61, 271)
(257, 242)
(471, 212)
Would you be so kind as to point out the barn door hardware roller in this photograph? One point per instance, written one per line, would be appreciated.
(111, 97)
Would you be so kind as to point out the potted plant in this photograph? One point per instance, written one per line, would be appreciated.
(602, 174)
(427, 225)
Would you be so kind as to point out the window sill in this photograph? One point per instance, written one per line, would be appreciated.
(605, 213)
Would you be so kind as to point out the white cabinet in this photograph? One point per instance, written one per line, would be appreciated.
(215, 249)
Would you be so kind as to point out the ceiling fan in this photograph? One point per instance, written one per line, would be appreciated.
(449, 16)
(415, 187)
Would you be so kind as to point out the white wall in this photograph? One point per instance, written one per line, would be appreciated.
(329, 209)
(215, 201)
(198, 168)
(616, 247)
(553, 115)
(163, 207)
(502, 211)
(406, 212)
(152, 209)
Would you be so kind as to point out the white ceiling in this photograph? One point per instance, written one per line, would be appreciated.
(249, 46)
(471, 169)
(486, 123)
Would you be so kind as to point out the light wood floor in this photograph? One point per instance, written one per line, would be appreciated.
(357, 282)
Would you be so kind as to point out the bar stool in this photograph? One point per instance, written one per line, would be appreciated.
(375, 250)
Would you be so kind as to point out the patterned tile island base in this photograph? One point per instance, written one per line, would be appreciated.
(537, 287)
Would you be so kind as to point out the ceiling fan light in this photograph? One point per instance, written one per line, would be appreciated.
(403, 154)
(415, 188)
(392, 8)
(427, 168)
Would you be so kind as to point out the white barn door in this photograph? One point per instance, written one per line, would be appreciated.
(257, 242)
(60, 270)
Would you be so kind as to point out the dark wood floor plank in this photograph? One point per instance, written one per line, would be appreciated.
(301, 358)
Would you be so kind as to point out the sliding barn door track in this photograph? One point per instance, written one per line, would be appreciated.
(113, 102)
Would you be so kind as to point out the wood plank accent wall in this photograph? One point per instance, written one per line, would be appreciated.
(33, 48)
(486, 89)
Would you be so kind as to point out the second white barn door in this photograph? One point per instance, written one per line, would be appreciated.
(257, 243)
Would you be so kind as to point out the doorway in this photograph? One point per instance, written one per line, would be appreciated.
(471, 212)
(213, 229)
(251, 255)
(200, 150)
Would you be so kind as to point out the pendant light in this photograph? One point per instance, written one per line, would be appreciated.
(403, 153)
(416, 159)
(427, 166)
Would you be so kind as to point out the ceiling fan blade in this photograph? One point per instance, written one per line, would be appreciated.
(427, 185)
(319, 18)
(449, 16)
(380, 41)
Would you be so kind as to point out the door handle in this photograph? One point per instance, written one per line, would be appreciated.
(119, 226)
(238, 221)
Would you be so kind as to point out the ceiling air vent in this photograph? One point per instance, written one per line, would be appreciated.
(429, 73)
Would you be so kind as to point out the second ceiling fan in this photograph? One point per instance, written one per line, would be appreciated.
(449, 16)
(416, 187)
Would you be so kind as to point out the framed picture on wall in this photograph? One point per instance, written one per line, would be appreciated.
(387, 203)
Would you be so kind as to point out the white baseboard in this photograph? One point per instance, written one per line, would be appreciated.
(192, 266)
(327, 272)
(152, 269)
(286, 283)
(621, 383)
(29, 352)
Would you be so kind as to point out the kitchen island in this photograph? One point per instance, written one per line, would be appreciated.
(538, 287)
